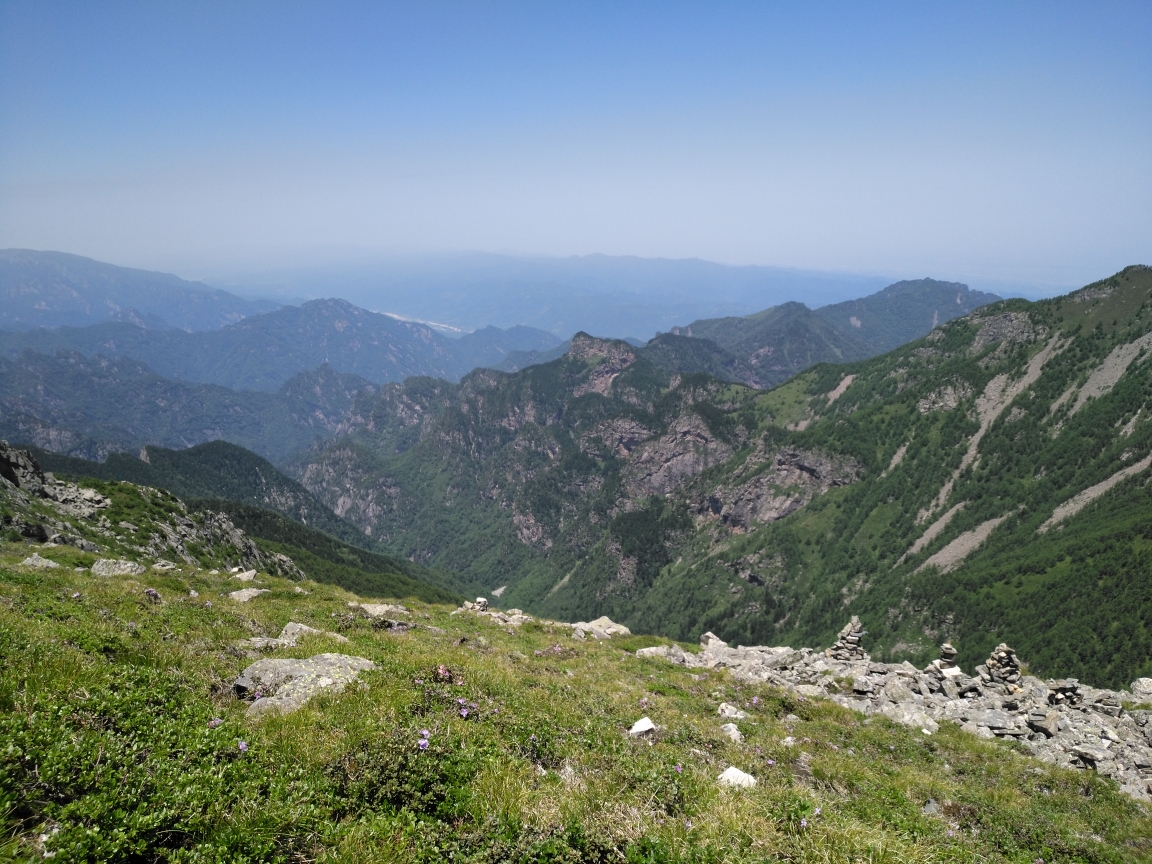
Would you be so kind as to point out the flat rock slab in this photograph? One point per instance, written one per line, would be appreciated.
(246, 594)
(286, 685)
(643, 726)
(34, 560)
(114, 567)
(602, 628)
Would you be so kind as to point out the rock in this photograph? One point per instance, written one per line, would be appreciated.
(848, 643)
(642, 727)
(34, 560)
(602, 628)
(1142, 688)
(246, 576)
(381, 610)
(288, 637)
(481, 604)
(163, 565)
(732, 731)
(1046, 723)
(1003, 665)
(113, 567)
(286, 685)
(910, 715)
(735, 777)
(1090, 754)
(726, 710)
(930, 808)
(246, 594)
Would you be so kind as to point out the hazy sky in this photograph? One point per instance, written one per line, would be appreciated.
(1008, 140)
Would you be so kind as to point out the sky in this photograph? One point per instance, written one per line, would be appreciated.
(971, 141)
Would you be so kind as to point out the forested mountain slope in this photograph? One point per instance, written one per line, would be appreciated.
(982, 484)
(53, 289)
(216, 470)
(769, 347)
(263, 352)
(92, 407)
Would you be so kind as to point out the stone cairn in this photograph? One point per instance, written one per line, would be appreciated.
(848, 645)
(1002, 667)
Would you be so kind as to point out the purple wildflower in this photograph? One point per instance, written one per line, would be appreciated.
(679, 769)
(424, 733)
(208, 603)
(755, 700)
(464, 713)
(891, 746)
(950, 832)
(537, 653)
(532, 737)
(75, 594)
(803, 823)
(688, 824)
(419, 681)
(214, 722)
(771, 761)
(422, 743)
(817, 811)
(243, 746)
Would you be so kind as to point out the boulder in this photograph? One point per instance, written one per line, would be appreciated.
(735, 777)
(246, 594)
(34, 560)
(1142, 689)
(602, 628)
(246, 576)
(114, 567)
(285, 685)
(381, 610)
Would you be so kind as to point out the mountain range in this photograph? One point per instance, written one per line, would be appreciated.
(983, 484)
(54, 289)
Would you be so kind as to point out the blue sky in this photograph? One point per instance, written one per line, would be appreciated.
(998, 141)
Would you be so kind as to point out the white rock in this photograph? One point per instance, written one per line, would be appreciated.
(654, 651)
(602, 628)
(34, 560)
(732, 731)
(1142, 687)
(193, 593)
(246, 594)
(733, 776)
(113, 567)
(246, 576)
(732, 711)
(643, 726)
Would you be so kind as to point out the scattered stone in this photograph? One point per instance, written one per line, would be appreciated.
(642, 727)
(114, 567)
(1061, 721)
(732, 731)
(163, 565)
(285, 685)
(288, 637)
(297, 589)
(246, 594)
(246, 576)
(726, 710)
(735, 777)
(193, 593)
(34, 560)
(930, 808)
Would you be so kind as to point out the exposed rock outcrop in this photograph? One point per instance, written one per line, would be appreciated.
(1061, 721)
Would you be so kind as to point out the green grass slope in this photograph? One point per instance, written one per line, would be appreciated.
(120, 741)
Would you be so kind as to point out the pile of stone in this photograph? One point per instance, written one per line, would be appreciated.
(1003, 667)
(509, 618)
(849, 644)
(1062, 721)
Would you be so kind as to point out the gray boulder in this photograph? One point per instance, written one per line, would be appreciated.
(114, 567)
(285, 685)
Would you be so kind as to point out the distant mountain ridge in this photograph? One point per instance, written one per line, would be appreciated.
(54, 289)
(261, 352)
(769, 347)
